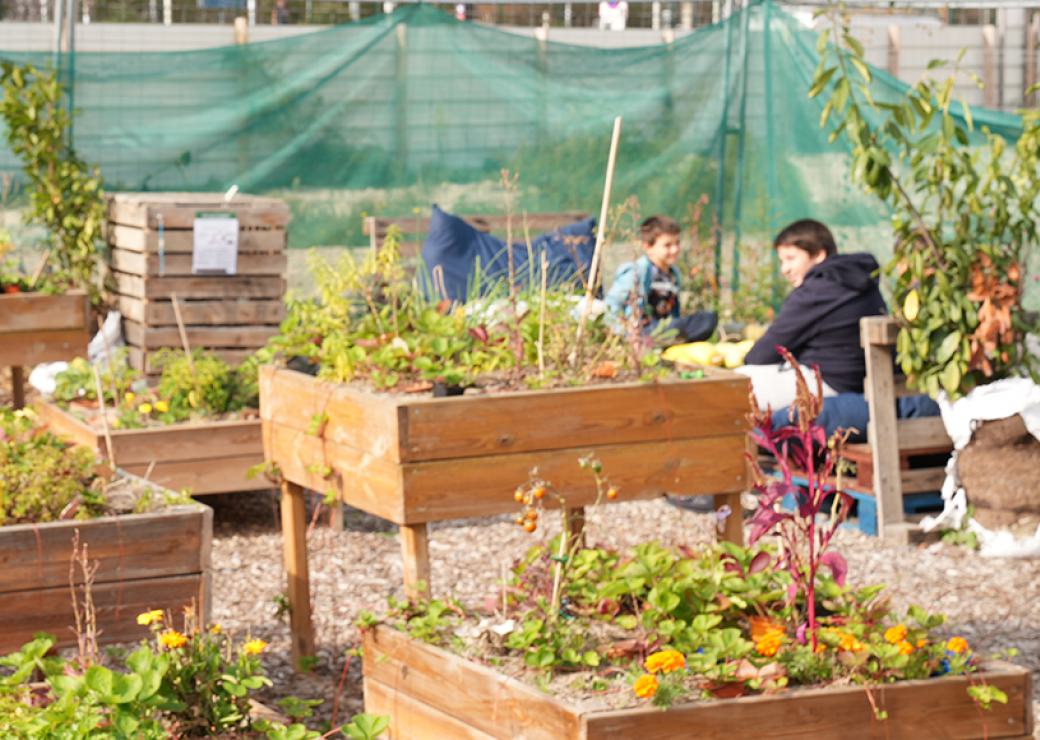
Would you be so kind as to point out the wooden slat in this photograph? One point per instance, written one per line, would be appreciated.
(178, 209)
(415, 559)
(925, 433)
(482, 486)
(931, 708)
(411, 719)
(198, 336)
(364, 481)
(471, 693)
(202, 477)
(24, 613)
(365, 421)
(264, 240)
(216, 286)
(536, 223)
(176, 442)
(878, 331)
(139, 263)
(126, 547)
(466, 426)
(294, 554)
(145, 362)
(33, 347)
(231, 311)
(922, 480)
(24, 312)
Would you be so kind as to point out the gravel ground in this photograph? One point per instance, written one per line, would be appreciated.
(995, 604)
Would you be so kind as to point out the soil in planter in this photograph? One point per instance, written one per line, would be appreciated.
(999, 469)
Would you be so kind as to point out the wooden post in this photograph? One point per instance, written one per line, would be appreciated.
(415, 559)
(1032, 31)
(881, 431)
(241, 30)
(894, 45)
(337, 518)
(18, 386)
(989, 65)
(575, 521)
(400, 98)
(733, 526)
(294, 554)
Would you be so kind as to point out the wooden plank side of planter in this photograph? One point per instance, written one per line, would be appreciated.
(364, 421)
(178, 210)
(251, 239)
(24, 613)
(180, 265)
(134, 546)
(364, 481)
(467, 426)
(482, 486)
(411, 718)
(39, 312)
(210, 286)
(231, 311)
(202, 477)
(471, 693)
(198, 336)
(933, 708)
(25, 348)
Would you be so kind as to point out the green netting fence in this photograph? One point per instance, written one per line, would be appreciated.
(392, 113)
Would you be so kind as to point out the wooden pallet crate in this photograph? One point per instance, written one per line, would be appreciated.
(428, 692)
(151, 239)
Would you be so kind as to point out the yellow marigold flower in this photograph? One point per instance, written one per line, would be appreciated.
(895, 635)
(162, 407)
(215, 628)
(171, 639)
(957, 644)
(820, 647)
(905, 648)
(665, 661)
(145, 408)
(155, 615)
(921, 643)
(130, 396)
(254, 647)
(769, 643)
(645, 686)
(850, 643)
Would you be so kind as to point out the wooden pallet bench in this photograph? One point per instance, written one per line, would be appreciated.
(414, 228)
(892, 442)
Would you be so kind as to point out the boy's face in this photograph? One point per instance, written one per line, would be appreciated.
(664, 252)
(795, 262)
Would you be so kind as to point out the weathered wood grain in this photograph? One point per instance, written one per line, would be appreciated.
(251, 239)
(210, 286)
(414, 720)
(29, 348)
(142, 210)
(198, 336)
(230, 311)
(179, 265)
(23, 312)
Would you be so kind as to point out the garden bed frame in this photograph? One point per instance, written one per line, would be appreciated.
(418, 459)
(429, 692)
(37, 328)
(200, 457)
(158, 560)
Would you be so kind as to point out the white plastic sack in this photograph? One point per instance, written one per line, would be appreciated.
(42, 377)
(110, 336)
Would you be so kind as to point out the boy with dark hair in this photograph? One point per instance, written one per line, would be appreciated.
(651, 285)
(819, 321)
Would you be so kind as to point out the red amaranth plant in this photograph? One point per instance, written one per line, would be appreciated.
(800, 448)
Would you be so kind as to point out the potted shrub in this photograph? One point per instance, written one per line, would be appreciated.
(151, 546)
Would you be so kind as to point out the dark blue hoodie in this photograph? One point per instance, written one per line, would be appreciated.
(819, 321)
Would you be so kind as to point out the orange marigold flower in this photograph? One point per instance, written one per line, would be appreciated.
(665, 661)
(921, 643)
(895, 635)
(148, 617)
(850, 643)
(957, 645)
(761, 626)
(820, 647)
(645, 686)
(171, 639)
(254, 647)
(769, 643)
(905, 648)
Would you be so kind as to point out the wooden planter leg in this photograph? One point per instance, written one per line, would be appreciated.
(337, 519)
(575, 525)
(18, 387)
(294, 541)
(733, 527)
(415, 558)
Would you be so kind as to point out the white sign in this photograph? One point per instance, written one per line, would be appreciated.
(215, 247)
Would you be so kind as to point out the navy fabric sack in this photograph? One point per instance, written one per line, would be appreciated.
(850, 411)
(456, 247)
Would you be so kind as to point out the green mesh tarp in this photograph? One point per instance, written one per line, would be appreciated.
(388, 115)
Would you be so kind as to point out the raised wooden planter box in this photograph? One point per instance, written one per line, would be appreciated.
(413, 460)
(37, 328)
(203, 457)
(428, 692)
(159, 560)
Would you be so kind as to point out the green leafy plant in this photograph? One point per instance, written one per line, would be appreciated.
(964, 211)
(66, 195)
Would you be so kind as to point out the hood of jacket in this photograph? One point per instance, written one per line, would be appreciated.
(857, 272)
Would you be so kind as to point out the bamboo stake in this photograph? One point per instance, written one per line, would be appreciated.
(39, 269)
(601, 232)
(541, 317)
(182, 331)
(104, 416)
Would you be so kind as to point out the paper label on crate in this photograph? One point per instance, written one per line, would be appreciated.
(215, 249)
